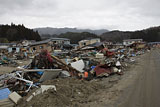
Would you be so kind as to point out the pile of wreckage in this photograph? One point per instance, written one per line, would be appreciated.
(5, 61)
(86, 64)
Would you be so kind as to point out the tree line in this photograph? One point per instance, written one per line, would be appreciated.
(74, 37)
(9, 33)
(148, 35)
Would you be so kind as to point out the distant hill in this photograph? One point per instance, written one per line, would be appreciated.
(76, 37)
(150, 35)
(116, 36)
(9, 33)
(58, 31)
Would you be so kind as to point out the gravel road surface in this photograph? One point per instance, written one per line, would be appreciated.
(144, 90)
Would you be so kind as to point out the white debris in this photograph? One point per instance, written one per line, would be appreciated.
(118, 63)
(15, 97)
(78, 65)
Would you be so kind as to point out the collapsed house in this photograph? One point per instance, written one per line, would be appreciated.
(50, 45)
(131, 41)
(88, 41)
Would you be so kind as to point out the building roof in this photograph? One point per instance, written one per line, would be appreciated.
(47, 40)
(133, 40)
(59, 39)
(7, 44)
(84, 40)
(40, 42)
(91, 38)
(3, 47)
(118, 44)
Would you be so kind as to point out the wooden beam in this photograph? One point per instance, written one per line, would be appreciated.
(70, 67)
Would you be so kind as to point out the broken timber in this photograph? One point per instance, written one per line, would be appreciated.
(64, 66)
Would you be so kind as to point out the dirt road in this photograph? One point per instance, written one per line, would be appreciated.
(145, 88)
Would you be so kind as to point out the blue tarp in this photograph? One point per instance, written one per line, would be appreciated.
(92, 67)
(39, 72)
(4, 93)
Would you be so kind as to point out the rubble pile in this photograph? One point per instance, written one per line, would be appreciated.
(73, 69)
(5, 61)
(43, 61)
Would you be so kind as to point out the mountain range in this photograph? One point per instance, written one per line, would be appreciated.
(149, 35)
(58, 31)
(9, 33)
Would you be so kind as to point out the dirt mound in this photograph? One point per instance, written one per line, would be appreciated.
(70, 92)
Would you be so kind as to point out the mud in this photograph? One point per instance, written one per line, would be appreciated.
(71, 92)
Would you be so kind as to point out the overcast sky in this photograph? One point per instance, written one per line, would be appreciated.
(93, 14)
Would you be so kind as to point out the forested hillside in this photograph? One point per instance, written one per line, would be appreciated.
(9, 33)
(76, 37)
(149, 35)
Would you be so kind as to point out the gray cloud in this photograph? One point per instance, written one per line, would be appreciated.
(95, 14)
(10, 5)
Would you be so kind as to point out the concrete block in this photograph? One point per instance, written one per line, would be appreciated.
(15, 97)
(38, 91)
(47, 87)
